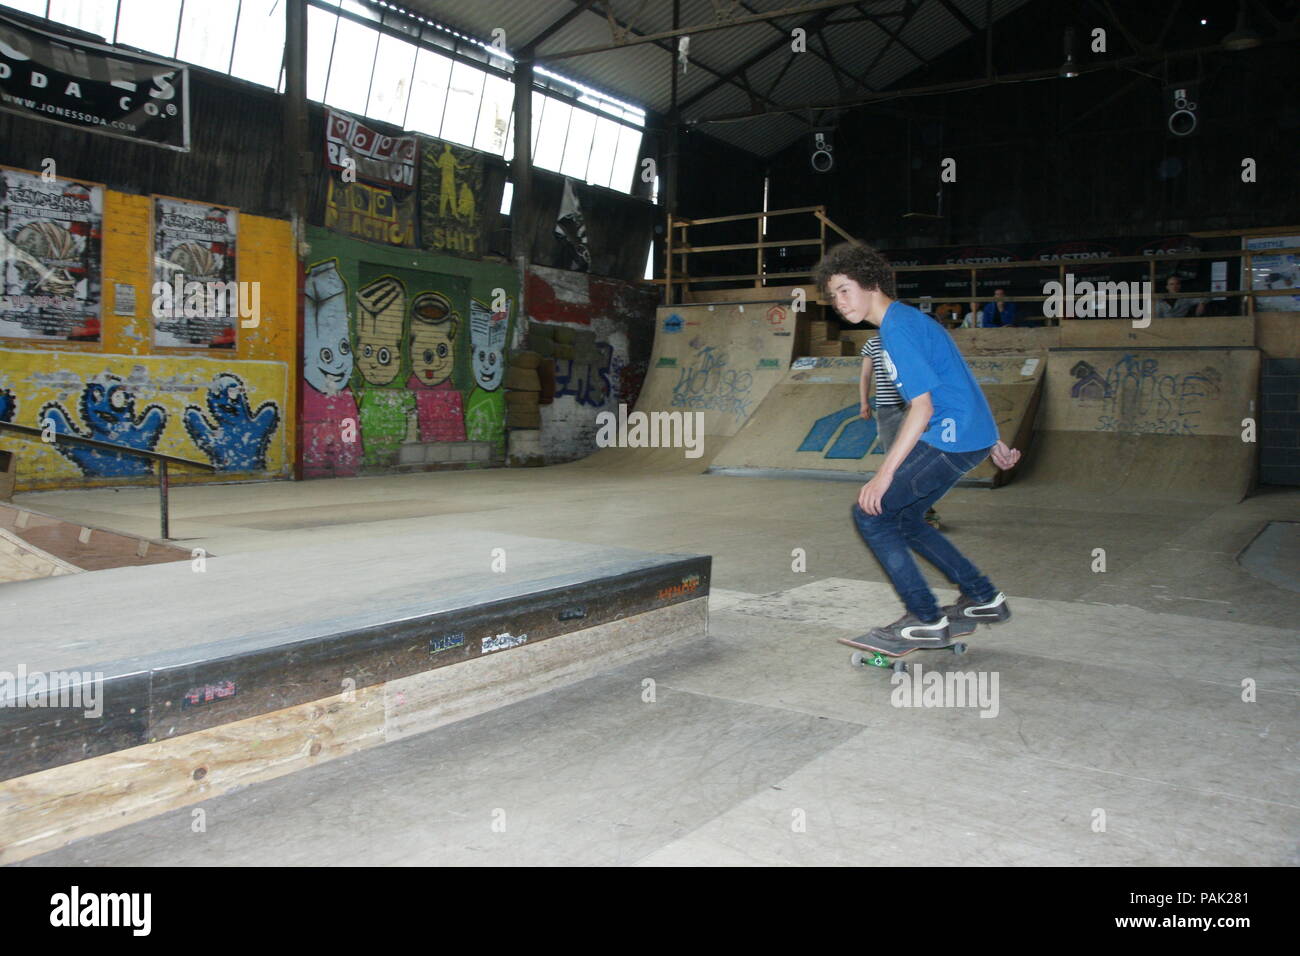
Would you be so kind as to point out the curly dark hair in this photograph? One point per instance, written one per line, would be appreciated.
(861, 263)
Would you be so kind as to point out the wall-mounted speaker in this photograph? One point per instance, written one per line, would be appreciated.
(1180, 102)
(822, 158)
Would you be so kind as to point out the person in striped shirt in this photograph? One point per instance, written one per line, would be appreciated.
(891, 408)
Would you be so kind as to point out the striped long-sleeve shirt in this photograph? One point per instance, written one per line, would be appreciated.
(886, 393)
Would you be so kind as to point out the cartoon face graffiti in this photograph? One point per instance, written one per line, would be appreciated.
(381, 306)
(227, 397)
(107, 406)
(434, 325)
(327, 354)
(487, 332)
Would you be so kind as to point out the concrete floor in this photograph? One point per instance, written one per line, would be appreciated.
(1119, 697)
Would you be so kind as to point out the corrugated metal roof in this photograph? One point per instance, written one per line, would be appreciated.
(642, 74)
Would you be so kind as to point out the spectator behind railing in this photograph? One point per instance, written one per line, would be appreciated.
(1177, 308)
(999, 312)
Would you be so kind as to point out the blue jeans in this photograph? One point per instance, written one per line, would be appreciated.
(924, 477)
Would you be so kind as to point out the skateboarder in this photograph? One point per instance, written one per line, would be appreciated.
(947, 432)
(890, 407)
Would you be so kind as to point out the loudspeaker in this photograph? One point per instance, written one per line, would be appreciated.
(823, 146)
(1180, 101)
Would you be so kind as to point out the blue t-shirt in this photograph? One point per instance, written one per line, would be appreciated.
(922, 357)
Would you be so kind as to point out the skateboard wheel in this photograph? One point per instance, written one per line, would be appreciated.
(959, 648)
(858, 659)
(900, 667)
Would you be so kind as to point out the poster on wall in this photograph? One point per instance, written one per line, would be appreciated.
(50, 257)
(372, 213)
(375, 157)
(451, 199)
(1274, 272)
(195, 297)
(93, 88)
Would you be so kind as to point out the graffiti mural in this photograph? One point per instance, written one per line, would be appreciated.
(108, 413)
(387, 413)
(587, 380)
(406, 361)
(709, 383)
(485, 412)
(434, 325)
(330, 446)
(1135, 395)
(235, 437)
(218, 411)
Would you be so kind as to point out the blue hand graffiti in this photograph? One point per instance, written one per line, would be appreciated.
(108, 411)
(239, 438)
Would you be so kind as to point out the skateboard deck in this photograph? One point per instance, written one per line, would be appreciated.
(885, 652)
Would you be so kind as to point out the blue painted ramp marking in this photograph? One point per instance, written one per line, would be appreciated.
(825, 427)
(855, 441)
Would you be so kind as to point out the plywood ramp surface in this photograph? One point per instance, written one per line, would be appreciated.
(1149, 422)
(718, 360)
(810, 422)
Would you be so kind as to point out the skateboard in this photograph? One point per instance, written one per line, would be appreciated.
(886, 653)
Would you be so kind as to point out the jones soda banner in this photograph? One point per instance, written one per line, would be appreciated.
(93, 87)
(195, 299)
(50, 257)
(451, 199)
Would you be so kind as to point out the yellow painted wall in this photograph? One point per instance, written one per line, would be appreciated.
(264, 357)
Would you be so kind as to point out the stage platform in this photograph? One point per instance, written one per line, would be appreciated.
(190, 679)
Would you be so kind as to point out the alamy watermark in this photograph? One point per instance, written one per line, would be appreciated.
(83, 690)
(917, 687)
(651, 430)
(180, 299)
(1099, 300)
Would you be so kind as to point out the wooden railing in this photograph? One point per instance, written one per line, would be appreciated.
(1063, 266)
(678, 274)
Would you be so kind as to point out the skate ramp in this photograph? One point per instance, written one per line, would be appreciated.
(1148, 423)
(809, 426)
(35, 545)
(720, 359)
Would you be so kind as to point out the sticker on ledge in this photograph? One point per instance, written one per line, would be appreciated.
(502, 641)
(673, 323)
(446, 642)
(208, 693)
(1028, 368)
(688, 585)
